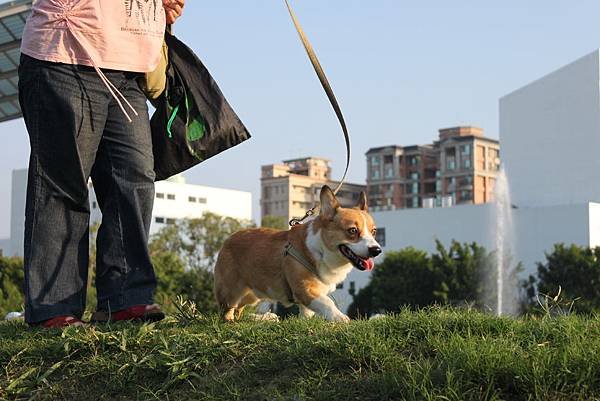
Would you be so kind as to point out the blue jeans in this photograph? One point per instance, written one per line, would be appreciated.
(77, 131)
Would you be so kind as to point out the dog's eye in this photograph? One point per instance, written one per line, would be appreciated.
(374, 231)
(353, 231)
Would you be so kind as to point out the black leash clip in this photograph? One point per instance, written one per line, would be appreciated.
(295, 221)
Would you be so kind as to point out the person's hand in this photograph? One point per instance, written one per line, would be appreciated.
(173, 9)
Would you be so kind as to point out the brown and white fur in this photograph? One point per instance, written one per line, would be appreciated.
(252, 267)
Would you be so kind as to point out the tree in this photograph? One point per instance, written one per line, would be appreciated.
(11, 285)
(174, 279)
(276, 222)
(460, 271)
(198, 241)
(576, 270)
(184, 255)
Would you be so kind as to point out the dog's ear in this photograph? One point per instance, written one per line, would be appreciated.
(329, 203)
(362, 202)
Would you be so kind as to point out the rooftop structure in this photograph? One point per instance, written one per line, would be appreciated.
(13, 15)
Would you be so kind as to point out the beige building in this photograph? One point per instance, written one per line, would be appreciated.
(291, 188)
(459, 168)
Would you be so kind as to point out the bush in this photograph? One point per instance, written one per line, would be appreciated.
(574, 269)
(413, 278)
(11, 285)
(174, 280)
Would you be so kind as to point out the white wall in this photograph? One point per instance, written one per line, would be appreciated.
(17, 211)
(224, 202)
(536, 230)
(550, 136)
(5, 246)
(594, 234)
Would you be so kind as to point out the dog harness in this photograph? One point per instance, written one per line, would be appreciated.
(294, 253)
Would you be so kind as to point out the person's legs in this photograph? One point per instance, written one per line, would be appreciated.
(123, 178)
(64, 108)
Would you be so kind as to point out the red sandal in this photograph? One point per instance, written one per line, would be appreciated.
(145, 313)
(59, 322)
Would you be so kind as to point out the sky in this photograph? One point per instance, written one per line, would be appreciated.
(401, 70)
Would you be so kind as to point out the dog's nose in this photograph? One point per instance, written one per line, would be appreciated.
(374, 251)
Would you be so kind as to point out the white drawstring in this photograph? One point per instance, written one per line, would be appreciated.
(103, 78)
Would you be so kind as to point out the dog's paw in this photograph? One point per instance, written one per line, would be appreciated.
(269, 316)
(340, 318)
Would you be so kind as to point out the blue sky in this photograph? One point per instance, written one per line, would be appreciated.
(401, 70)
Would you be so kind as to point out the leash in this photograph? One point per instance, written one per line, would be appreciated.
(330, 95)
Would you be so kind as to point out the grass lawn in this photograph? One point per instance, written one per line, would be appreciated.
(435, 354)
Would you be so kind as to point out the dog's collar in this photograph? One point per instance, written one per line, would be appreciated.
(293, 252)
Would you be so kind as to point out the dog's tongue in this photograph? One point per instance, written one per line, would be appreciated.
(368, 264)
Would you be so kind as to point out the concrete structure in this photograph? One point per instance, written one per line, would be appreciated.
(17, 212)
(5, 247)
(12, 20)
(174, 200)
(550, 134)
(459, 168)
(536, 231)
(291, 188)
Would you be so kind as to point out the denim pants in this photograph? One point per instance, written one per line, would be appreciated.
(77, 131)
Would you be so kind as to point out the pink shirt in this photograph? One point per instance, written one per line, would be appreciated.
(123, 35)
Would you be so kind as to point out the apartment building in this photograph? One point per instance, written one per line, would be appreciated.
(292, 187)
(459, 168)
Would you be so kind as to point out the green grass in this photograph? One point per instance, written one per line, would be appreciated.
(436, 354)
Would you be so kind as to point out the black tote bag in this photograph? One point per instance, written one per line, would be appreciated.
(193, 120)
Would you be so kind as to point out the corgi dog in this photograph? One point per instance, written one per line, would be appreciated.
(299, 266)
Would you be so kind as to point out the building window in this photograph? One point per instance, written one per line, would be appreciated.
(159, 220)
(375, 174)
(388, 159)
(202, 200)
(160, 195)
(466, 195)
(450, 164)
(413, 160)
(380, 236)
(170, 221)
(415, 201)
(414, 176)
(374, 160)
(467, 163)
(192, 199)
(170, 197)
(466, 149)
